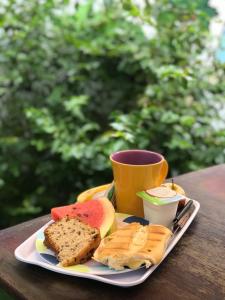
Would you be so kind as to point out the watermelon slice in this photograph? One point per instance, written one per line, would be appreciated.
(97, 213)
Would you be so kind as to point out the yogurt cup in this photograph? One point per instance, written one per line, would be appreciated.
(161, 211)
(160, 214)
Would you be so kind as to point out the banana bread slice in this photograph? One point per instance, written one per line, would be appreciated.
(72, 240)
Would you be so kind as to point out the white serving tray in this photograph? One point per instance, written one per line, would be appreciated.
(27, 253)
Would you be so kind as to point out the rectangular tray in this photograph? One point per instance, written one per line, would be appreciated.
(27, 253)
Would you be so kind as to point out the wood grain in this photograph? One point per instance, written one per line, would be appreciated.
(195, 269)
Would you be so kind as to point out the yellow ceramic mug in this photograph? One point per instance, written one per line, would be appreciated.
(134, 171)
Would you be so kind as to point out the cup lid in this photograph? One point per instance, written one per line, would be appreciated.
(159, 201)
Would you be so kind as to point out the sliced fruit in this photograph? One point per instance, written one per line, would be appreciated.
(177, 188)
(109, 221)
(97, 213)
(92, 193)
(162, 192)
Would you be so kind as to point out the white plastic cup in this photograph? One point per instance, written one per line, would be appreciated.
(160, 214)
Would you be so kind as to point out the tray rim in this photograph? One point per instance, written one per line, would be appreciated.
(104, 278)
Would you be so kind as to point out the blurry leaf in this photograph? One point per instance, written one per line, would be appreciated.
(187, 121)
(2, 183)
(173, 72)
(74, 106)
(83, 12)
(170, 117)
(26, 208)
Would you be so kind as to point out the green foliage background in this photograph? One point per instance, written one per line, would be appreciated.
(77, 83)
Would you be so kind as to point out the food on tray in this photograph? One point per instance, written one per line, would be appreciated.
(178, 189)
(173, 186)
(72, 240)
(98, 213)
(132, 246)
(161, 192)
(94, 193)
(160, 205)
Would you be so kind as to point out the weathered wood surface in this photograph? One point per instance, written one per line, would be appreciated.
(195, 269)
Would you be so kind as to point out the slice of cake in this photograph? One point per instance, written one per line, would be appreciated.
(72, 240)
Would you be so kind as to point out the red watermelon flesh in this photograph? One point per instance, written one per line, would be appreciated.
(90, 212)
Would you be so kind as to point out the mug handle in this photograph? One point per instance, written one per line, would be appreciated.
(164, 171)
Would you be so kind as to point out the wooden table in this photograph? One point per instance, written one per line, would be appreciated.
(195, 269)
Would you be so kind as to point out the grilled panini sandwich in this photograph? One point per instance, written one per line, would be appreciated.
(132, 246)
